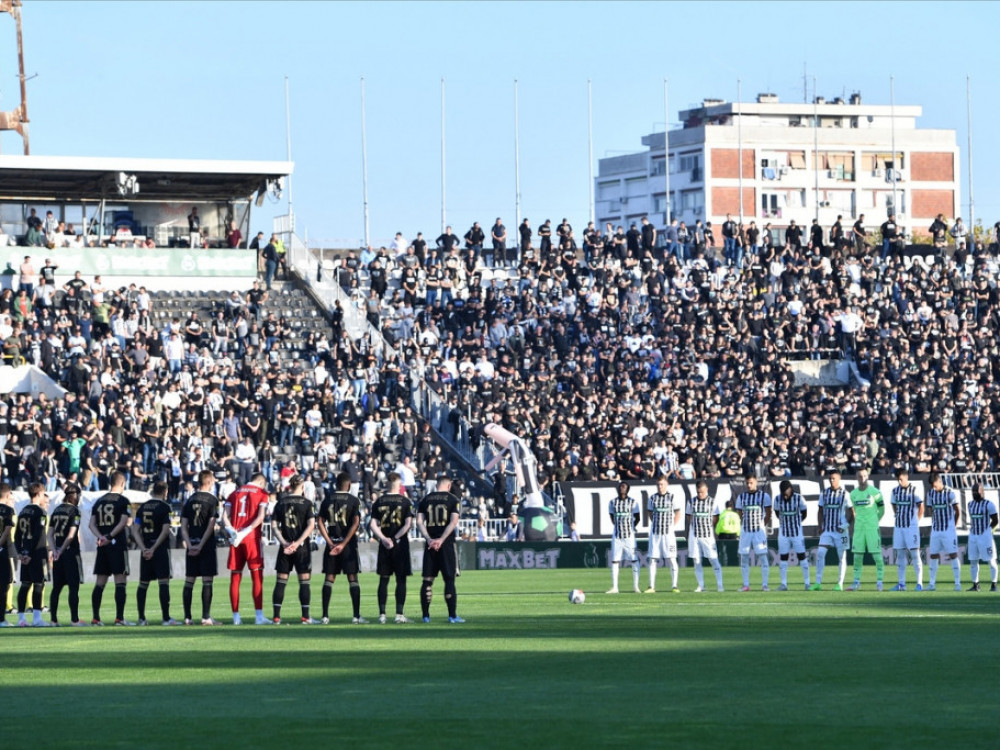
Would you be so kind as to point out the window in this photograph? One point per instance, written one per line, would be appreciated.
(690, 162)
(656, 168)
(635, 186)
(608, 190)
(875, 161)
(774, 202)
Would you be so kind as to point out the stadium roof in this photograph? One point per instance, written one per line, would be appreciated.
(83, 179)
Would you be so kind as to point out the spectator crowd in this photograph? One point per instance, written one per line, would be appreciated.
(615, 355)
(621, 355)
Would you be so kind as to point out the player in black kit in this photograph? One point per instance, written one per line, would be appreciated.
(199, 517)
(152, 532)
(392, 516)
(340, 516)
(437, 518)
(67, 565)
(33, 552)
(293, 520)
(6, 544)
(109, 517)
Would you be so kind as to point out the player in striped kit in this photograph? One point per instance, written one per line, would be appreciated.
(664, 515)
(702, 516)
(982, 522)
(943, 505)
(754, 509)
(908, 508)
(836, 515)
(791, 511)
(624, 512)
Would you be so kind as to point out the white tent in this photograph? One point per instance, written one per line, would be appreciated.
(29, 379)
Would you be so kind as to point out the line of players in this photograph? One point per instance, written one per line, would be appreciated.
(846, 520)
(41, 541)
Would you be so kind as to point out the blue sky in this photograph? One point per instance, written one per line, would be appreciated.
(206, 80)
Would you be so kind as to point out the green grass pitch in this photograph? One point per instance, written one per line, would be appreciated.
(528, 669)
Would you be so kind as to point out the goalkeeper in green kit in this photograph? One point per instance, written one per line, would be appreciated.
(868, 511)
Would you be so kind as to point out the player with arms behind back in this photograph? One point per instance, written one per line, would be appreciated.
(437, 518)
(33, 551)
(67, 566)
(293, 522)
(624, 513)
(198, 521)
(392, 516)
(664, 517)
(340, 516)
(6, 545)
(242, 517)
(982, 523)
(110, 516)
(152, 532)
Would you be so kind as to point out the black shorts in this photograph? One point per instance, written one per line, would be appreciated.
(34, 571)
(203, 565)
(67, 570)
(157, 568)
(347, 562)
(6, 570)
(300, 561)
(443, 561)
(111, 560)
(395, 561)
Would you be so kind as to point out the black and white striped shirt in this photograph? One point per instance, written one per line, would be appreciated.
(624, 510)
(979, 516)
(942, 506)
(661, 513)
(753, 504)
(789, 514)
(702, 511)
(904, 502)
(834, 504)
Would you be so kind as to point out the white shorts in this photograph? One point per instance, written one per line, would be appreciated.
(702, 548)
(662, 547)
(981, 547)
(839, 540)
(623, 548)
(753, 540)
(906, 538)
(788, 544)
(943, 543)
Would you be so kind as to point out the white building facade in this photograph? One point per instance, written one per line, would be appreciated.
(799, 161)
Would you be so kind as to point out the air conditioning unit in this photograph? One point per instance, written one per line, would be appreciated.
(831, 173)
(898, 174)
(783, 171)
(824, 204)
(878, 173)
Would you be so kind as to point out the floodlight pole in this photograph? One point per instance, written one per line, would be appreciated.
(444, 216)
(364, 162)
(517, 161)
(288, 152)
(972, 197)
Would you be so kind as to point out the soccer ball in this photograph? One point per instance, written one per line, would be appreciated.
(576, 596)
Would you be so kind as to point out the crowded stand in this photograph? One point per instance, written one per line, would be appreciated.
(623, 357)
(615, 355)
